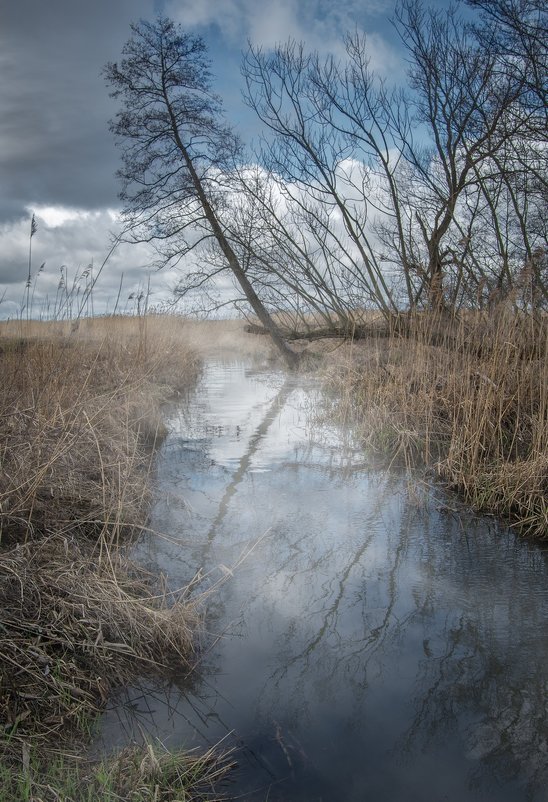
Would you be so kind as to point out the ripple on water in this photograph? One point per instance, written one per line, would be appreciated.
(372, 646)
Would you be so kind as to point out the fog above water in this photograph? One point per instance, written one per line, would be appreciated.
(370, 640)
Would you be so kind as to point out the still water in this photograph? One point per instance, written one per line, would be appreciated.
(365, 640)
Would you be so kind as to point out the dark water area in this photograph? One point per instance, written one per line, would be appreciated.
(367, 639)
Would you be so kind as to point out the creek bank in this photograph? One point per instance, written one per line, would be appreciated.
(471, 408)
(80, 417)
(365, 628)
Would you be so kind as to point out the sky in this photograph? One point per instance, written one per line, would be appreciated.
(58, 159)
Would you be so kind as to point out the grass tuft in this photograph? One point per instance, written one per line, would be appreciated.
(147, 773)
(77, 620)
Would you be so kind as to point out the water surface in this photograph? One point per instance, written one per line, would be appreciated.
(370, 640)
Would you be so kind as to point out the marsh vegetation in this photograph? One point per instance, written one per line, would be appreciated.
(81, 415)
(83, 412)
(467, 398)
(392, 238)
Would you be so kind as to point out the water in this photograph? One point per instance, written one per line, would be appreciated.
(367, 641)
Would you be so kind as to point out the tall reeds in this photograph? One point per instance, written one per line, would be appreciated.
(466, 396)
(33, 230)
(80, 412)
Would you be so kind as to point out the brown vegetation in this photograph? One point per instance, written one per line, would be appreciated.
(467, 396)
(80, 412)
(78, 415)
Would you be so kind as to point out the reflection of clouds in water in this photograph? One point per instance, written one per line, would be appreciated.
(231, 404)
(232, 407)
(386, 641)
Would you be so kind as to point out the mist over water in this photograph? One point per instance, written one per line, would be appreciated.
(369, 641)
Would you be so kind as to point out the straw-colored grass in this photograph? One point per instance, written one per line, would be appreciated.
(202, 337)
(80, 413)
(77, 620)
(467, 397)
(137, 774)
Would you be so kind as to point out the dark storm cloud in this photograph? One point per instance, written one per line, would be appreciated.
(57, 156)
(55, 147)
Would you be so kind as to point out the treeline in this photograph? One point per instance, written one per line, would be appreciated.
(428, 194)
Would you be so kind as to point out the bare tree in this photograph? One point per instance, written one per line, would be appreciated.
(516, 32)
(177, 151)
(404, 178)
(469, 109)
(294, 245)
(313, 158)
(433, 194)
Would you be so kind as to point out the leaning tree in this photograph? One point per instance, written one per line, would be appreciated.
(177, 151)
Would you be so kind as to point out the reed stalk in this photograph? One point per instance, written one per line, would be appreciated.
(466, 397)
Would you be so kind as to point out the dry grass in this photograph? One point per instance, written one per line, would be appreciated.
(200, 336)
(80, 412)
(210, 337)
(137, 774)
(155, 774)
(78, 415)
(474, 406)
(77, 620)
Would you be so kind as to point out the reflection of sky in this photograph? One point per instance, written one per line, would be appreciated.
(232, 405)
(373, 647)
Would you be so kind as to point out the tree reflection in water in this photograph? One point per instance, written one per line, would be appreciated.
(374, 647)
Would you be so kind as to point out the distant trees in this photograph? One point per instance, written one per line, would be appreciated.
(177, 152)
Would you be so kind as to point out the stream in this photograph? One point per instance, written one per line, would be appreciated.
(366, 639)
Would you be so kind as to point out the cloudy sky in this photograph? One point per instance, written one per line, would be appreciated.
(57, 156)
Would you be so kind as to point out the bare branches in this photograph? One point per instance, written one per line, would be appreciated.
(177, 152)
(363, 194)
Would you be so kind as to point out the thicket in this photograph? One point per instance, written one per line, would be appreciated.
(423, 200)
(425, 193)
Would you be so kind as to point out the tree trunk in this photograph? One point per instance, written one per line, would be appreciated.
(255, 302)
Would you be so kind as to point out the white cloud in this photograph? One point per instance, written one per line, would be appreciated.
(68, 241)
(321, 24)
(272, 24)
(56, 216)
(55, 141)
